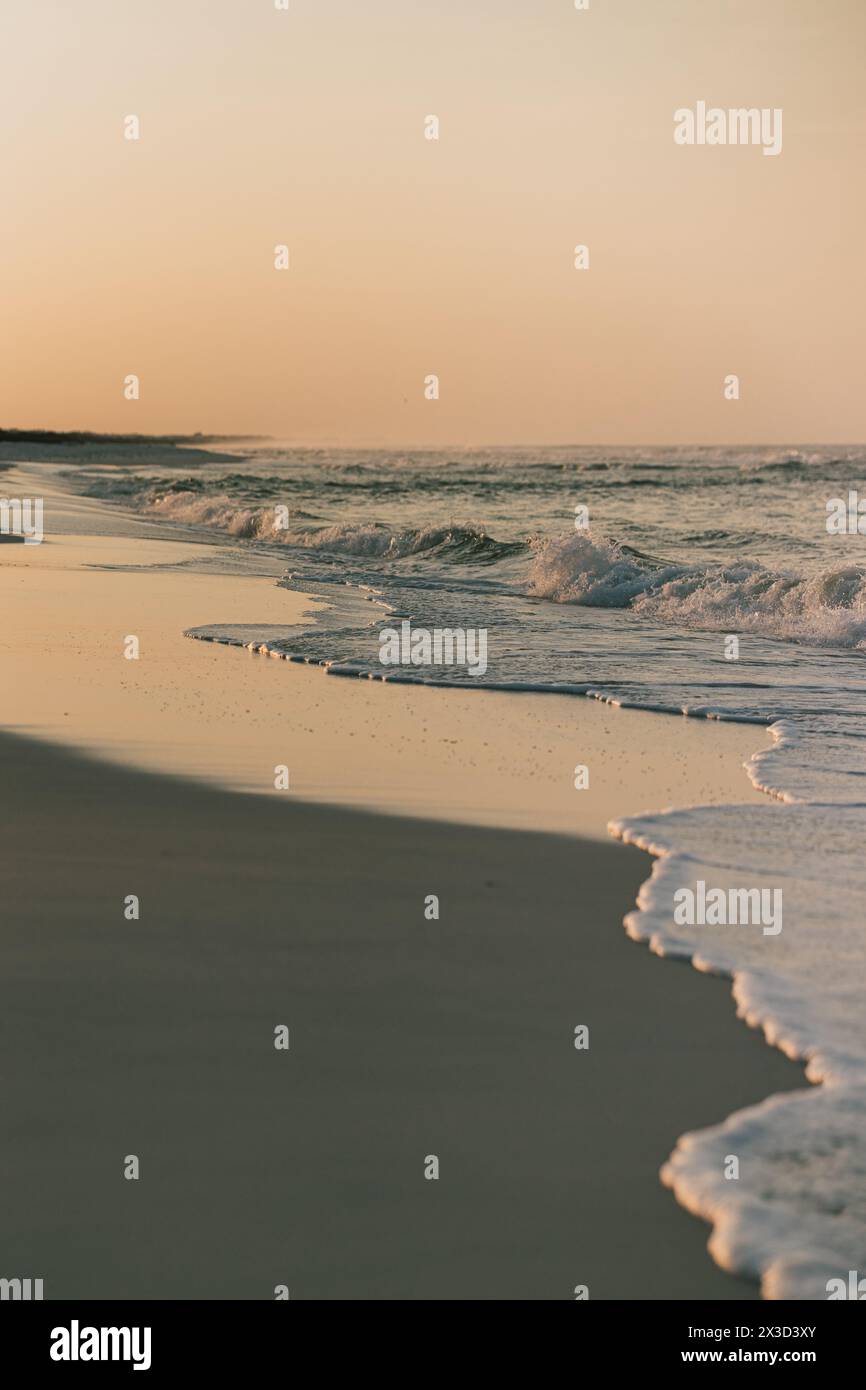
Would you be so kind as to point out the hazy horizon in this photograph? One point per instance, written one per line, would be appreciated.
(234, 436)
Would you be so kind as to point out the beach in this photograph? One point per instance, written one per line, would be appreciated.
(411, 1036)
(433, 664)
(408, 1038)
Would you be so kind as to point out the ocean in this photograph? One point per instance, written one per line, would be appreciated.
(623, 575)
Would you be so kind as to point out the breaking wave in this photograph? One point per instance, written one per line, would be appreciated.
(824, 609)
(468, 542)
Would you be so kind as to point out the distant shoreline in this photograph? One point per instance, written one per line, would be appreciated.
(94, 437)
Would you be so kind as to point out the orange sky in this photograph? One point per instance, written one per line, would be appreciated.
(411, 257)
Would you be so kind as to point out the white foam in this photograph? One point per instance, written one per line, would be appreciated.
(825, 609)
(796, 1215)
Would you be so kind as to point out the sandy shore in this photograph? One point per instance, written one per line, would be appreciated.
(408, 1038)
(229, 717)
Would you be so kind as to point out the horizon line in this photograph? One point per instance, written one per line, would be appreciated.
(18, 435)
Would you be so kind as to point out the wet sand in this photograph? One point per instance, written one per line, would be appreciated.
(408, 1038)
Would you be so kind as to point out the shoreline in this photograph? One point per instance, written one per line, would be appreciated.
(476, 755)
(411, 758)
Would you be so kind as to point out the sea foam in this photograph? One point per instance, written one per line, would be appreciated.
(827, 609)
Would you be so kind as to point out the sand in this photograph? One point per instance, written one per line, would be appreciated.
(408, 1038)
(230, 717)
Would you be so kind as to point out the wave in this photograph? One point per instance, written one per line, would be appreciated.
(452, 542)
(826, 609)
(467, 543)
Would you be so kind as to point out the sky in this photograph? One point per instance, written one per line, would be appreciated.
(411, 257)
